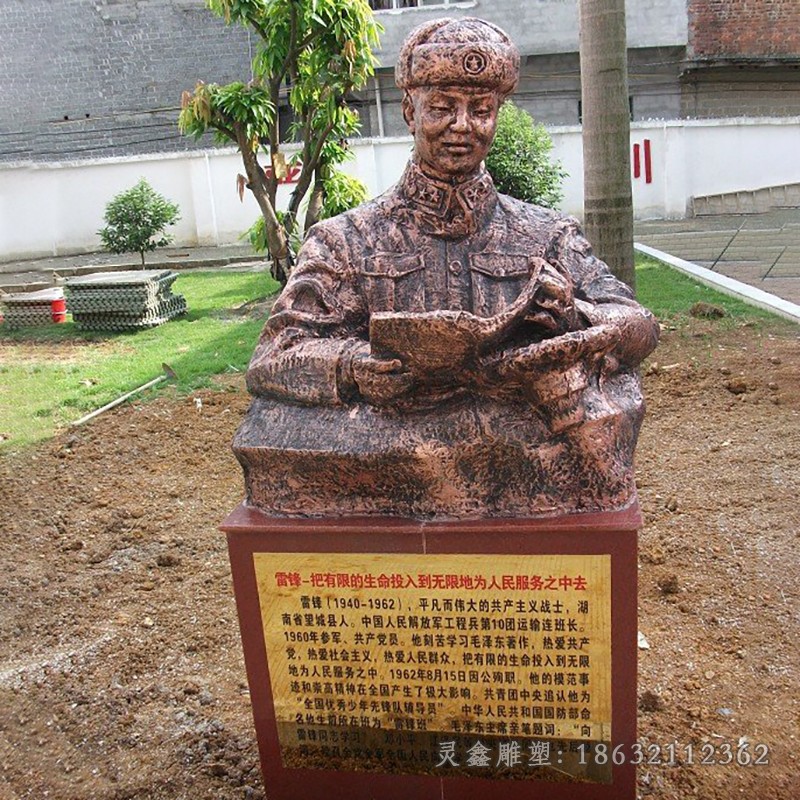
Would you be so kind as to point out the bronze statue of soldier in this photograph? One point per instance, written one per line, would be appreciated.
(443, 350)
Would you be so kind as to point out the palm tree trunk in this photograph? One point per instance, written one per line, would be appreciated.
(608, 202)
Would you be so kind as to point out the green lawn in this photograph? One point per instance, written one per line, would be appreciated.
(51, 376)
(670, 294)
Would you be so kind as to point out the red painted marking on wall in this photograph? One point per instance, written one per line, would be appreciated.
(648, 164)
(637, 164)
(292, 174)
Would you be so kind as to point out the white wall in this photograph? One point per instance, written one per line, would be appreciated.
(692, 158)
(57, 208)
(744, 154)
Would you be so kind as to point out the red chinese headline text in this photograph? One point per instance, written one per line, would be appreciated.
(358, 580)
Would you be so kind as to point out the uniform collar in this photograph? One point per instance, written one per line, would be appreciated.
(447, 210)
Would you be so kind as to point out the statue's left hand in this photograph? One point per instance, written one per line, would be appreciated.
(380, 380)
(558, 353)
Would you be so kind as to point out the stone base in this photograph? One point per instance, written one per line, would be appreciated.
(612, 534)
(475, 457)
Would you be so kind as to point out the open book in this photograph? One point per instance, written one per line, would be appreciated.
(447, 341)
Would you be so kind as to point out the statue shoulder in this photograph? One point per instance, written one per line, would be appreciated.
(338, 243)
(355, 219)
(526, 215)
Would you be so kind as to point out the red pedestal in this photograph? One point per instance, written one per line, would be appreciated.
(612, 533)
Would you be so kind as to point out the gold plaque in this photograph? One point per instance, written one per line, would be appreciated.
(366, 648)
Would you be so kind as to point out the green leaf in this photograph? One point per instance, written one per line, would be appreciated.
(341, 193)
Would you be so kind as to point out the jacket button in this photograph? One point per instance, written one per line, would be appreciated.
(455, 267)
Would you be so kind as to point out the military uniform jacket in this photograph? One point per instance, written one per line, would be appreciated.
(425, 245)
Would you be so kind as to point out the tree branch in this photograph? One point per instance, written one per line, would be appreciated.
(274, 139)
(309, 168)
(306, 41)
(224, 129)
(259, 28)
(321, 142)
(292, 51)
(276, 238)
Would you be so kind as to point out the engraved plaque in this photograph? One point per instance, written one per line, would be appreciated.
(471, 664)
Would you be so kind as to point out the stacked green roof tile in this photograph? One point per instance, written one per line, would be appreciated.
(30, 308)
(123, 301)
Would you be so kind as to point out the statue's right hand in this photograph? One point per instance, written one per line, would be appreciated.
(380, 380)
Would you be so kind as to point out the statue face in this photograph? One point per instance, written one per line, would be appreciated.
(453, 128)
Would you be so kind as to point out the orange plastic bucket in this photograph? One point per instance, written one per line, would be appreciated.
(58, 309)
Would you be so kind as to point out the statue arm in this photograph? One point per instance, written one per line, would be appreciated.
(602, 299)
(317, 327)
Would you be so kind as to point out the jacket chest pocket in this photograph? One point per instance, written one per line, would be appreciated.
(394, 282)
(497, 280)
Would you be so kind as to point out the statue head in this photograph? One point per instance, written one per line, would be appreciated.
(455, 74)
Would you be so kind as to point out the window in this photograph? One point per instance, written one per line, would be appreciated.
(395, 5)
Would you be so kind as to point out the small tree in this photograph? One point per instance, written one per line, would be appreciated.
(135, 221)
(519, 161)
(318, 51)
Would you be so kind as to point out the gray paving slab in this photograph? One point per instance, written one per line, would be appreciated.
(747, 273)
(777, 218)
(165, 256)
(784, 271)
(40, 296)
(120, 278)
(760, 250)
(787, 288)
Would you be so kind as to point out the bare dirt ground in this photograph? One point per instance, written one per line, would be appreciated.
(120, 665)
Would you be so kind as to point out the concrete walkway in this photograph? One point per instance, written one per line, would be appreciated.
(28, 276)
(761, 250)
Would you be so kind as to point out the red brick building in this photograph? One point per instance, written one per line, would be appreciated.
(743, 58)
